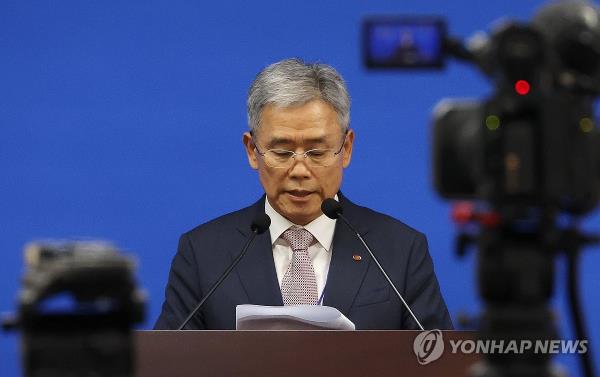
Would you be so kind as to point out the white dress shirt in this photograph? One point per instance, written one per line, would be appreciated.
(321, 228)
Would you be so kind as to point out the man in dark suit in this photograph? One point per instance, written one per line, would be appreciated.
(300, 143)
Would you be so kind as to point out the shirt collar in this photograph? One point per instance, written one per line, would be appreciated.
(322, 228)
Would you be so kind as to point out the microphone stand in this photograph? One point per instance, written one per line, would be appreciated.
(255, 231)
(345, 221)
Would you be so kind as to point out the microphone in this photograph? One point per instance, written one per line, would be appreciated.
(259, 225)
(333, 209)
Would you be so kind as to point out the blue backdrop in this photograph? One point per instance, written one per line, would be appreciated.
(122, 120)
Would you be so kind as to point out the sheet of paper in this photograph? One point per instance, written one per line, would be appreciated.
(292, 317)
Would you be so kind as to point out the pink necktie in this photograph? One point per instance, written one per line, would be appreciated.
(299, 285)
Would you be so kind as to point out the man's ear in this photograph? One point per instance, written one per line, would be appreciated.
(348, 148)
(250, 150)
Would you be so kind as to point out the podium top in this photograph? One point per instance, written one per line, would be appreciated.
(373, 353)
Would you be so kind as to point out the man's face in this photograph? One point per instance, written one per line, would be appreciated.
(298, 191)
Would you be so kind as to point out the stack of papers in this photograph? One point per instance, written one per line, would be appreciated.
(292, 317)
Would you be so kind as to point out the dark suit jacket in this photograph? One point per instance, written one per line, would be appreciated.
(355, 288)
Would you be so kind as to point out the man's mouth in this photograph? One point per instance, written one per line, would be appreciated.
(299, 193)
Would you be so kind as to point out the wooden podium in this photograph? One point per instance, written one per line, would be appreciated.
(293, 353)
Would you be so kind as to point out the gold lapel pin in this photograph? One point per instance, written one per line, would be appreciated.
(356, 257)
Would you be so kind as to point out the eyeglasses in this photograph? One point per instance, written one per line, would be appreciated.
(281, 158)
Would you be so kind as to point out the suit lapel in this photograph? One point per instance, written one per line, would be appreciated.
(345, 273)
(256, 270)
(258, 276)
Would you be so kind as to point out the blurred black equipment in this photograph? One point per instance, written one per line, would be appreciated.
(77, 307)
(530, 154)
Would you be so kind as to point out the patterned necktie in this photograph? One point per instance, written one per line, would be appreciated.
(299, 285)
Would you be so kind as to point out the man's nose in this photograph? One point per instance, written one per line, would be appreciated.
(299, 166)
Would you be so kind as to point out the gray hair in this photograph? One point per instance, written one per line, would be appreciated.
(293, 82)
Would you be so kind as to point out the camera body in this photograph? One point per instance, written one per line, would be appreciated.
(534, 142)
(540, 151)
(77, 307)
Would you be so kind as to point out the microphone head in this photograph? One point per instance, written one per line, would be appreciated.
(331, 208)
(260, 223)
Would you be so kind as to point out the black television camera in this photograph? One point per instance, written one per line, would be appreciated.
(530, 152)
(77, 307)
(535, 140)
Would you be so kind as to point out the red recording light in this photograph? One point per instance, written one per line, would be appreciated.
(522, 87)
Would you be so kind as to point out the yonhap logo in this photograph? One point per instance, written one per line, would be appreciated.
(428, 346)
